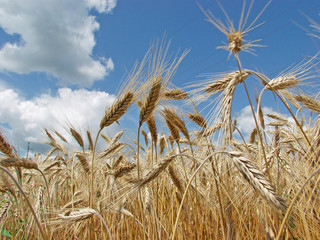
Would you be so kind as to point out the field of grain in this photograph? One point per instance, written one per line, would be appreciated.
(185, 175)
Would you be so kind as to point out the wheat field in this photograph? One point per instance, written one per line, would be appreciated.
(187, 173)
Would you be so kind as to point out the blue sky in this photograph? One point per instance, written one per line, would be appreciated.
(61, 62)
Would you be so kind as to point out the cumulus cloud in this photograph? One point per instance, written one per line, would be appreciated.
(245, 120)
(56, 37)
(27, 118)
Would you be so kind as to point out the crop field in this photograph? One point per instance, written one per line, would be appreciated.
(186, 172)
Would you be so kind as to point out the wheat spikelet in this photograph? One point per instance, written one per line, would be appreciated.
(39, 202)
(117, 162)
(257, 180)
(84, 162)
(77, 137)
(56, 163)
(172, 117)
(291, 98)
(117, 137)
(162, 144)
(61, 137)
(198, 119)
(309, 103)
(280, 83)
(276, 117)
(52, 139)
(105, 138)
(78, 215)
(72, 203)
(226, 104)
(120, 171)
(117, 109)
(215, 127)
(175, 94)
(261, 119)
(136, 143)
(222, 83)
(5, 146)
(151, 122)
(278, 123)
(175, 178)
(150, 102)
(18, 162)
(253, 135)
(145, 135)
(173, 130)
(112, 149)
(154, 173)
(90, 141)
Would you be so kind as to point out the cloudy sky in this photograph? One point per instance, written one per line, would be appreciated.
(61, 62)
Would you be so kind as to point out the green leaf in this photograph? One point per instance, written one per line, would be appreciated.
(5, 233)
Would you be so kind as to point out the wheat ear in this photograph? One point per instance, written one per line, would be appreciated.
(154, 173)
(117, 109)
(198, 119)
(5, 147)
(84, 162)
(19, 162)
(257, 180)
(175, 94)
(150, 102)
(77, 137)
(83, 214)
(309, 103)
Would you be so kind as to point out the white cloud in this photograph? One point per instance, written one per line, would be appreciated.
(56, 37)
(245, 120)
(103, 5)
(27, 118)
